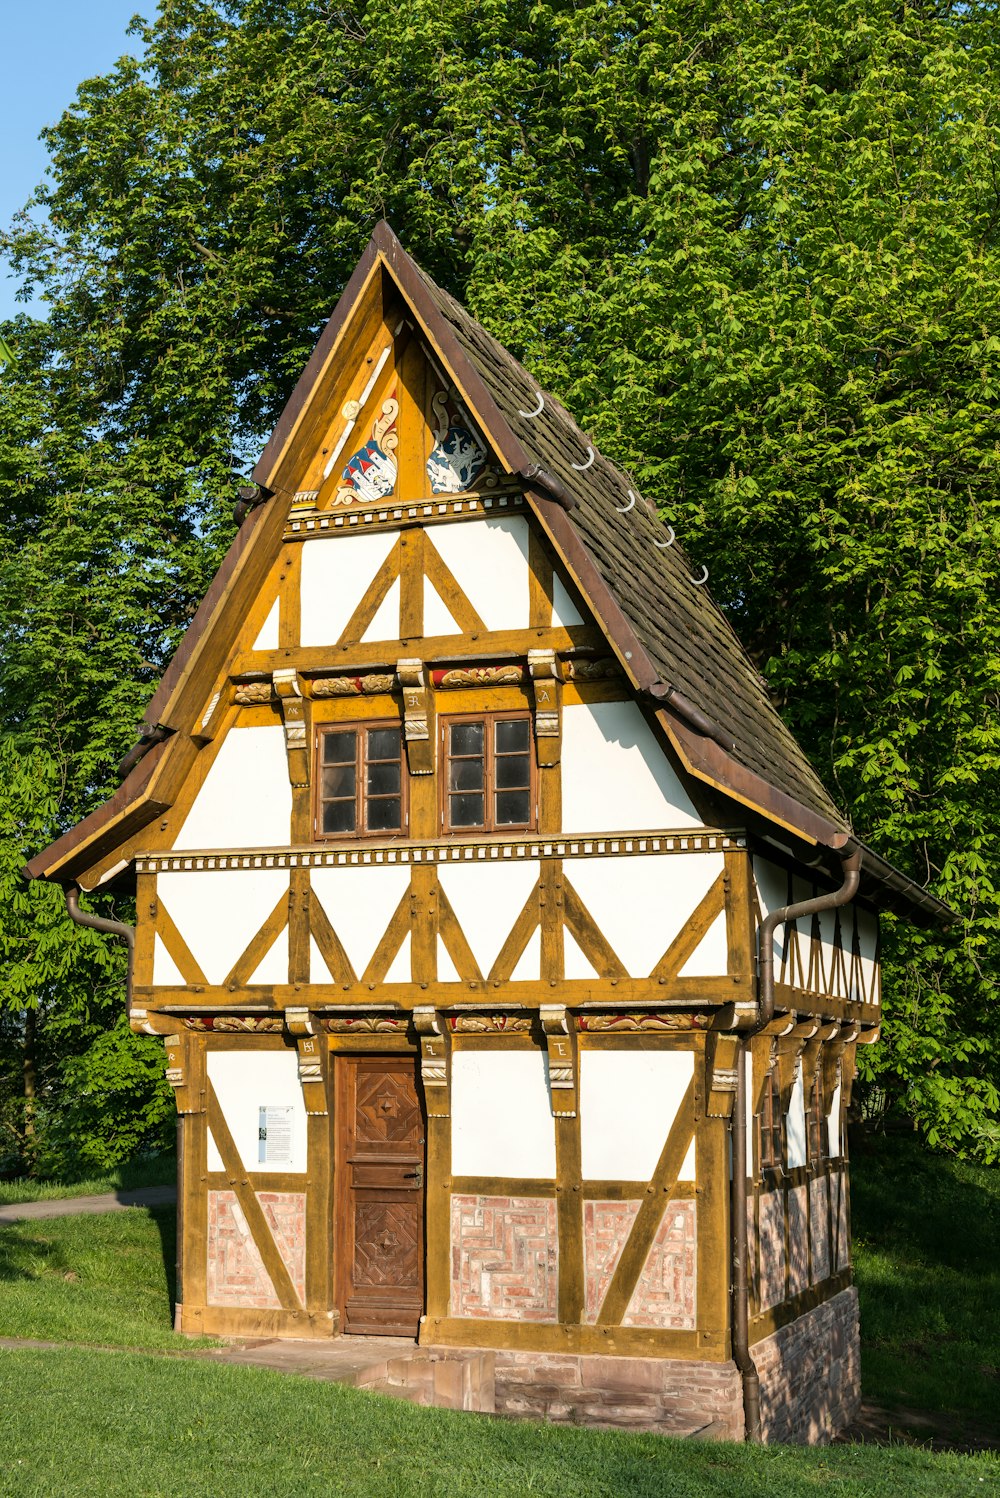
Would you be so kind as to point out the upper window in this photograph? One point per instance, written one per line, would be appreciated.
(362, 781)
(488, 773)
(770, 1125)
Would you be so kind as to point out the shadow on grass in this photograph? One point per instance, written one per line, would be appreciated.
(925, 1233)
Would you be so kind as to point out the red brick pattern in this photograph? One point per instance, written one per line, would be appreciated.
(772, 1249)
(798, 1241)
(504, 1257)
(236, 1273)
(819, 1228)
(810, 1373)
(606, 1226)
(665, 1294)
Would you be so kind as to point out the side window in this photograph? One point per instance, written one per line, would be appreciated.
(361, 781)
(816, 1120)
(488, 771)
(770, 1126)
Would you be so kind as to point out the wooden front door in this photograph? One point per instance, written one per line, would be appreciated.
(379, 1233)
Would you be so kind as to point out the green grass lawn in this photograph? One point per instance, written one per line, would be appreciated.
(927, 1265)
(79, 1420)
(105, 1279)
(160, 1171)
(82, 1422)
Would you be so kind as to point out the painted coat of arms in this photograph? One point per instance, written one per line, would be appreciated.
(370, 474)
(457, 458)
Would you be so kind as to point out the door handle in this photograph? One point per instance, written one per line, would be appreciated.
(417, 1176)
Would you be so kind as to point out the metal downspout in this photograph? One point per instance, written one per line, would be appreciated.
(851, 861)
(111, 928)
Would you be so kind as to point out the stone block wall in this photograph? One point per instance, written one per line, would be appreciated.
(810, 1374)
(671, 1396)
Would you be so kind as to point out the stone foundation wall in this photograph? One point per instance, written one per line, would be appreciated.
(810, 1374)
(672, 1396)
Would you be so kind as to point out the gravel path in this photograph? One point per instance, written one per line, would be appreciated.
(114, 1201)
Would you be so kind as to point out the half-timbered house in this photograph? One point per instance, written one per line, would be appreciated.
(489, 911)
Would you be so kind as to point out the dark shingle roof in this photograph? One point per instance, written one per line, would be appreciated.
(682, 629)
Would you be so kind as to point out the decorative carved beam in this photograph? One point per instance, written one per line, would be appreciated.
(418, 716)
(313, 1058)
(560, 1038)
(546, 682)
(435, 1060)
(292, 703)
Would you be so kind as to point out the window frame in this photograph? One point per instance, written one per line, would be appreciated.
(361, 727)
(491, 717)
(771, 1124)
(816, 1121)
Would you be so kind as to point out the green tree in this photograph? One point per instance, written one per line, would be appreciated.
(753, 248)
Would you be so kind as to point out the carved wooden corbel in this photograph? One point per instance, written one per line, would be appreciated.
(435, 1060)
(288, 690)
(720, 1074)
(543, 667)
(762, 1058)
(560, 1038)
(418, 716)
(175, 1047)
(313, 1058)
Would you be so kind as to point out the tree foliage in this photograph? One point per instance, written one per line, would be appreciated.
(754, 248)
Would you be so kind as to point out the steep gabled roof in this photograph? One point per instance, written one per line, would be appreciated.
(671, 638)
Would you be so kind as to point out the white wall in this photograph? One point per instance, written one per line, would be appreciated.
(501, 1117)
(868, 942)
(615, 776)
(359, 903)
(336, 573)
(244, 1082)
(628, 1102)
(219, 911)
(487, 899)
(641, 901)
(796, 1125)
(246, 800)
(489, 561)
(834, 1145)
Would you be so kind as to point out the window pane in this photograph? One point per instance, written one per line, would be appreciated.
(465, 775)
(467, 811)
(467, 738)
(513, 772)
(385, 815)
(339, 780)
(338, 816)
(383, 743)
(383, 778)
(512, 737)
(340, 748)
(513, 808)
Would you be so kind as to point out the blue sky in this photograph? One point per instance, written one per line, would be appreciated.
(49, 47)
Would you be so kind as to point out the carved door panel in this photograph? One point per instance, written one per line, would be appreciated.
(379, 1234)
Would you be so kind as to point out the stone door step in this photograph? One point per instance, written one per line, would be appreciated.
(450, 1377)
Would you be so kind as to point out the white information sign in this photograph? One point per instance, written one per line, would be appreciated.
(275, 1135)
